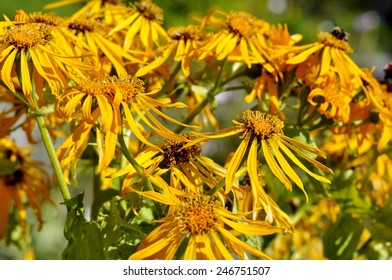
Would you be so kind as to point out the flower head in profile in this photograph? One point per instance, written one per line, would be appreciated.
(202, 222)
(264, 132)
(185, 164)
(144, 26)
(23, 183)
(184, 46)
(107, 53)
(240, 37)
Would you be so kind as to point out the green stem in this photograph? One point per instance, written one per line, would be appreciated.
(168, 83)
(218, 186)
(47, 140)
(135, 164)
(210, 95)
(139, 169)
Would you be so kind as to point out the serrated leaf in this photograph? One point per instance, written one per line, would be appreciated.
(341, 239)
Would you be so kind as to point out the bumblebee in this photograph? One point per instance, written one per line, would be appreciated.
(340, 33)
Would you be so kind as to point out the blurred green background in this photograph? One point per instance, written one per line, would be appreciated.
(368, 22)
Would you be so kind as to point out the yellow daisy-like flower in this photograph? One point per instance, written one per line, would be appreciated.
(328, 54)
(185, 164)
(240, 38)
(112, 9)
(107, 53)
(184, 47)
(144, 25)
(102, 102)
(23, 183)
(210, 230)
(264, 131)
(31, 52)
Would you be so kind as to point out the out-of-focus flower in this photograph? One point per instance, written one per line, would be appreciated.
(23, 183)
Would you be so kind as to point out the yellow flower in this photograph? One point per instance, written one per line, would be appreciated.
(144, 25)
(112, 9)
(185, 165)
(266, 92)
(241, 37)
(108, 54)
(325, 56)
(23, 183)
(31, 51)
(271, 213)
(210, 230)
(102, 102)
(184, 47)
(264, 131)
(265, 89)
(381, 178)
(332, 97)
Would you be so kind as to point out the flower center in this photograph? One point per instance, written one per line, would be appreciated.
(197, 215)
(85, 25)
(175, 155)
(129, 87)
(260, 125)
(185, 33)
(334, 40)
(45, 19)
(94, 88)
(150, 11)
(25, 36)
(241, 24)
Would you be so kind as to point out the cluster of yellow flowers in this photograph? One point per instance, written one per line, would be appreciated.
(138, 101)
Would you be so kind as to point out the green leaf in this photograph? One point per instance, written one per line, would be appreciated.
(341, 239)
(84, 237)
(345, 193)
(101, 198)
(380, 223)
(120, 237)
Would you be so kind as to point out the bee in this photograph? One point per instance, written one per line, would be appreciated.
(340, 33)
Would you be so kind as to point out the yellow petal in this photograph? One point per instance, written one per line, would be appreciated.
(285, 165)
(6, 76)
(220, 247)
(252, 166)
(231, 238)
(301, 57)
(299, 164)
(276, 170)
(235, 163)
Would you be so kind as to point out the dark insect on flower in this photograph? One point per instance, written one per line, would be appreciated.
(340, 33)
